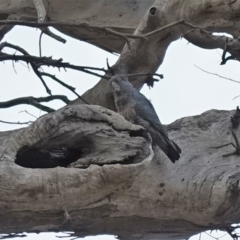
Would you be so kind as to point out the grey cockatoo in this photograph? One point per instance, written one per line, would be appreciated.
(136, 108)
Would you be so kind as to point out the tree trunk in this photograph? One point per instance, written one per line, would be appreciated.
(116, 183)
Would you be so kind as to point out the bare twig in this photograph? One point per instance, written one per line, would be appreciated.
(14, 67)
(217, 238)
(229, 79)
(25, 111)
(72, 89)
(168, 26)
(33, 64)
(26, 100)
(109, 30)
(236, 97)
(37, 62)
(144, 74)
(40, 44)
(59, 81)
(35, 102)
(19, 123)
(48, 61)
(48, 32)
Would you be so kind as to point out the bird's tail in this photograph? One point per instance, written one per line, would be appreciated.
(169, 147)
(173, 151)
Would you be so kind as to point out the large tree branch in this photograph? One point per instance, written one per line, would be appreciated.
(146, 55)
(209, 41)
(115, 180)
(126, 17)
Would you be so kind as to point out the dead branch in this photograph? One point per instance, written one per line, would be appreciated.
(25, 53)
(215, 74)
(25, 111)
(19, 123)
(144, 74)
(35, 102)
(40, 44)
(72, 89)
(48, 61)
(49, 33)
(58, 63)
(44, 61)
(37, 62)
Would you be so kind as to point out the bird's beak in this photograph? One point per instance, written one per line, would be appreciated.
(115, 87)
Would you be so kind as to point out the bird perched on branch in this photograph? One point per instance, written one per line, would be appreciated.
(136, 108)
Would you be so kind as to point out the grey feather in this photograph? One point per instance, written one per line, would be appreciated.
(136, 108)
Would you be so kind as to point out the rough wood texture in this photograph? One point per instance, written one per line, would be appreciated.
(147, 197)
(91, 129)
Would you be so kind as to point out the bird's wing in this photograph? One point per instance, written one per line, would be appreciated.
(146, 113)
(145, 109)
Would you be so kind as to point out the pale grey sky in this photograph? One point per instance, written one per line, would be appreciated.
(184, 91)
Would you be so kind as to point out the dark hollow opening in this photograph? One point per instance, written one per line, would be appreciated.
(31, 157)
(153, 10)
(138, 133)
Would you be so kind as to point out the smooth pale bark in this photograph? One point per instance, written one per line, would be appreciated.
(148, 198)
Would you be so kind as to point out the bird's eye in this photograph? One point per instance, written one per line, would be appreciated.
(115, 87)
